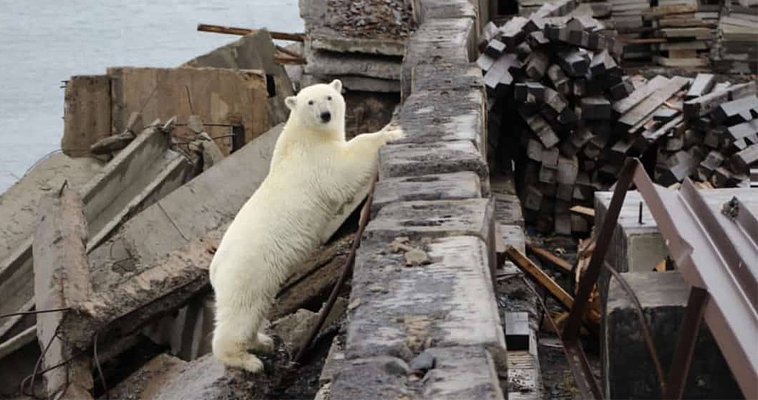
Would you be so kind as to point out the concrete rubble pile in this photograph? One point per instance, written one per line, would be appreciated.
(122, 250)
(581, 116)
(360, 42)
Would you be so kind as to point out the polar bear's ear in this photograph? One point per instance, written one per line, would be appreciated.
(291, 102)
(337, 85)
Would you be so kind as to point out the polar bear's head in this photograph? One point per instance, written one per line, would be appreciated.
(319, 106)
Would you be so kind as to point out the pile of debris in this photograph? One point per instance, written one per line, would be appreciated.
(362, 43)
(137, 238)
(582, 117)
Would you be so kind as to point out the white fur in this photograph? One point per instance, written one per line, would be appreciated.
(314, 172)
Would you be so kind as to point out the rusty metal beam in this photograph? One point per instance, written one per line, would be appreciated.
(716, 252)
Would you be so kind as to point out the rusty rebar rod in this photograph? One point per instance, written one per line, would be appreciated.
(231, 30)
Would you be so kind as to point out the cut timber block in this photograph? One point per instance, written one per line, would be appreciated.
(448, 302)
(701, 86)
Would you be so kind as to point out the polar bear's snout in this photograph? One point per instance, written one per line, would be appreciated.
(326, 116)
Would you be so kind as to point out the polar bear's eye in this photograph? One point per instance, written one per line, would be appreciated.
(329, 98)
(310, 103)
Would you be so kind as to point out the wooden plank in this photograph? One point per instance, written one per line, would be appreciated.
(648, 106)
(625, 104)
(701, 86)
(703, 105)
(582, 210)
(546, 255)
(540, 276)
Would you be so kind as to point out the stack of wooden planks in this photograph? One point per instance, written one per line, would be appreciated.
(561, 108)
(736, 50)
(685, 35)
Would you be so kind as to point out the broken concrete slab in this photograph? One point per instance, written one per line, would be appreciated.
(337, 64)
(188, 213)
(428, 10)
(219, 95)
(405, 310)
(18, 211)
(628, 371)
(330, 28)
(146, 382)
(142, 173)
(254, 51)
(452, 186)
(398, 160)
(61, 281)
(86, 113)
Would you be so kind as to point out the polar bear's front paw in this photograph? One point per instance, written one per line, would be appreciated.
(394, 133)
(264, 343)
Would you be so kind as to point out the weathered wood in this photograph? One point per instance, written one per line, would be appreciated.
(701, 86)
(743, 160)
(647, 106)
(626, 104)
(547, 256)
(736, 111)
(312, 281)
(705, 104)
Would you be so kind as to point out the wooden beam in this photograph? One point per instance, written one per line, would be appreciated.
(540, 276)
(546, 255)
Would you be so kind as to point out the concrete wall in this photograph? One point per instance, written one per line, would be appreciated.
(432, 197)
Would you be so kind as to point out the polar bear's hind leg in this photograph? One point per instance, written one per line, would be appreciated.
(231, 341)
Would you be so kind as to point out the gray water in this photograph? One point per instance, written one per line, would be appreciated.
(44, 42)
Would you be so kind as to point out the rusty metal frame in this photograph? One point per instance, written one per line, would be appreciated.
(716, 254)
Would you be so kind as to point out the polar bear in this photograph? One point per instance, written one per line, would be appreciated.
(314, 172)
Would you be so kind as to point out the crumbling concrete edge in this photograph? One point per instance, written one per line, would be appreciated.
(419, 330)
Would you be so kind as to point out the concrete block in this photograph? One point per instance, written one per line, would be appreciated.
(461, 373)
(404, 310)
(397, 160)
(86, 113)
(253, 51)
(453, 186)
(447, 77)
(449, 40)
(512, 235)
(446, 115)
(222, 96)
(627, 368)
(375, 378)
(147, 381)
(471, 217)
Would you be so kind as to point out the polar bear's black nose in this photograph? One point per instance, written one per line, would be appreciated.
(326, 116)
